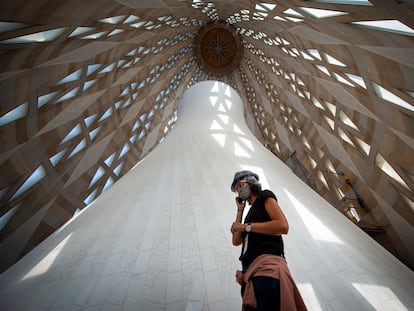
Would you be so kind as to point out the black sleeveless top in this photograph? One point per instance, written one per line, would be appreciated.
(256, 244)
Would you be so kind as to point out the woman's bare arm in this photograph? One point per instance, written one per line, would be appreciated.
(278, 225)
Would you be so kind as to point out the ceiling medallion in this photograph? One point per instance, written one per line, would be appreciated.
(218, 48)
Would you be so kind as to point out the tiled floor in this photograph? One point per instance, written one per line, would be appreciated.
(159, 239)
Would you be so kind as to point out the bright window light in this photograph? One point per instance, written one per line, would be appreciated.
(132, 52)
(364, 146)
(72, 77)
(117, 169)
(141, 134)
(292, 12)
(33, 179)
(216, 126)
(68, 95)
(74, 132)
(342, 80)
(339, 193)
(107, 114)
(317, 103)
(306, 143)
(329, 166)
(315, 53)
(388, 25)
(293, 19)
(259, 16)
(44, 36)
(94, 36)
(224, 118)
(367, 290)
(215, 87)
(221, 108)
(344, 118)
(357, 79)
(320, 13)
(227, 91)
(320, 152)
(409, 93)
(330, 122)
(136, 125)
(352, 213)
(228, 103)
(345, 137)
(99, 173)
(108, 161)
(331, 107)
(42, 100)
(389, 170)
(89, 120)
(78, 148)
(57, 157)
(125, 92)
(92, 68)
(240, 151)
(388, 96)
(333, 61)
(47, 261)
(141, 85)
(236, 129)
(165, 18)
(265, 6)
(108, 69)
(112, 20)
(137, 25)
(115, 32)
(323, 69)
(213, 100)
(312, 162)
(306, 56)
(90, 197)
(318, 230)
(108, 184)
(124, 150)
(248, 143)
(80, 31)
(279, 18)
(322, 179)
(131, 19)
(134, 137)
(220, 138)
(15, 114)
(4, 219)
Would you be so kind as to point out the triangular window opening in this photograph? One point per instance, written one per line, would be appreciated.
(389, 170)
(391, 25)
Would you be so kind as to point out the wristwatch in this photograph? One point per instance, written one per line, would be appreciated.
(249, 227)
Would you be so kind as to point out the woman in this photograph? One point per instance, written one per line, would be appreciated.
(265, 280)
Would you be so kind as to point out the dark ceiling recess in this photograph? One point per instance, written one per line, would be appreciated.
(218, 48)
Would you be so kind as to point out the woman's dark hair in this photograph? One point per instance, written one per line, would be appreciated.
(256, 188)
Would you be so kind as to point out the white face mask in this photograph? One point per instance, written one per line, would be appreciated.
(244, 192)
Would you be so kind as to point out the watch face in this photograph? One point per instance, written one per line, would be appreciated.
(248, 228)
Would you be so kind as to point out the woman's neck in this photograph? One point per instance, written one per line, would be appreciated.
(251, 199)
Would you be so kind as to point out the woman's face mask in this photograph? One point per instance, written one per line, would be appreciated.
(245, 192)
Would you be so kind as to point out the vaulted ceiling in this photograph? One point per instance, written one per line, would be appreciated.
(88, 88)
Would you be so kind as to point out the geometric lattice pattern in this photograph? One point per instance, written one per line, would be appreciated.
(88, 88)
